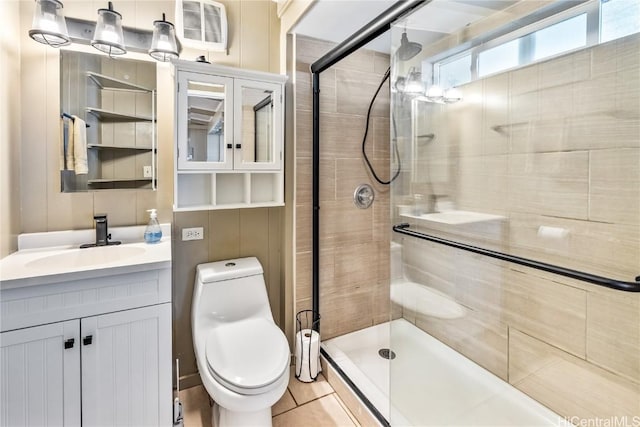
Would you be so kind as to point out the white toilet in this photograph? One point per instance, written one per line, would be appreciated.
(242, 356)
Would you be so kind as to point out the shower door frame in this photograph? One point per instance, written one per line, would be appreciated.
(378, 26)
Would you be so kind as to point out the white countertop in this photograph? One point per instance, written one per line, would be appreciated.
(54, 257)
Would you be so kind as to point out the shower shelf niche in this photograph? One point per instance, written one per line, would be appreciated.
(455, 217)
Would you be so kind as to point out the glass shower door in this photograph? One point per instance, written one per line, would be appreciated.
(519, 133)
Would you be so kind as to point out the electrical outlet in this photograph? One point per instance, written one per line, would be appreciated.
(194, 233)
(146, 171)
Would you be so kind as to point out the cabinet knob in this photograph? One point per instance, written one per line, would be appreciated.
(229, 146)
(69, 343)
(87, 340)
(238, 146)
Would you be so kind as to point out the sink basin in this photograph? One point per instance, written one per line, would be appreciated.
(55, 256)
(79, 258)
(459, 217)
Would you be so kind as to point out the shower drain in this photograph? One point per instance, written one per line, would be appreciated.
(386, 353)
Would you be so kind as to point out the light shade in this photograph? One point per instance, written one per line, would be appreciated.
(414, 85)
(108, 37)
(49, 26)
(435, 94)
(163, 45)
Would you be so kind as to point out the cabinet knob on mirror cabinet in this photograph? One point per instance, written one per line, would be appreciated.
(87, 340)
(69, 343)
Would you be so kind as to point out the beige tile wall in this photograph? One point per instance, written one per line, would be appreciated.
(354, 243)
(553, 144)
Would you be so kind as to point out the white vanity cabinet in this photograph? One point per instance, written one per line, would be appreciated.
(126, 367)
(88, 348)
(229, 137)
(40, 375)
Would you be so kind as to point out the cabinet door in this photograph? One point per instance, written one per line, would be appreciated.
(204, 112)
(258, 125)
(126, 368)
(40, 379)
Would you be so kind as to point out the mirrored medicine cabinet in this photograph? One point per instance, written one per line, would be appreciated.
(229, 137)
(116, 99)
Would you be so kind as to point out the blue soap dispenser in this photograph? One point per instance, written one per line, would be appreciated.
(153, 232)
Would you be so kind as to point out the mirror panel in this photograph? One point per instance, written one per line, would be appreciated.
(257, 125)
(206, 122)
(107, 123)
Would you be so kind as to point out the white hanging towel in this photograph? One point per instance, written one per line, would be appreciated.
(61, 154)
(79, 146)
(69, 160)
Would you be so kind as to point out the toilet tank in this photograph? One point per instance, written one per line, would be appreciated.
(231, 290)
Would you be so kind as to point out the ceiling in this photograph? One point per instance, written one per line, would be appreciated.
(336, 20)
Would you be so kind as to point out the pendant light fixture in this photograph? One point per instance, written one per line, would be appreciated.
(163, 45)
(108, 37)
(49, 26)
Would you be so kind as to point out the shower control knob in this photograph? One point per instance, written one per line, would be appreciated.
(363, 196)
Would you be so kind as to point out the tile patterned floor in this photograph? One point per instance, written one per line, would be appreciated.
(303, 405)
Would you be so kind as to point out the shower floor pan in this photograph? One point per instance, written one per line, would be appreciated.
(431, 384)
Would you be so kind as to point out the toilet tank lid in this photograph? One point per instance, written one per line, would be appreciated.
(229, 269)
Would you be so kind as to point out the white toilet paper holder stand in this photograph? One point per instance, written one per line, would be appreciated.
(307, 354)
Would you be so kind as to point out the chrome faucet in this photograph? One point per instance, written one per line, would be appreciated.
(103, 236)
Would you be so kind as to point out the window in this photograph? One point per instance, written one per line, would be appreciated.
(455, 72)
(592, 22)
(499, 58)
(618, 18)
(561, 37)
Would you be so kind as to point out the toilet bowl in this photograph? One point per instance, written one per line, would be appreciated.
(242, 356)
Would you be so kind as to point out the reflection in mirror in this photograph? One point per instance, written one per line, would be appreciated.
(205, 141)
(107, 123)
(257, 125)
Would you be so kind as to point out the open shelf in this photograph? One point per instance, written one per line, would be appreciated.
(118, 147)
(227, 190)
(103, 180)
(106, 82)
(112, 116)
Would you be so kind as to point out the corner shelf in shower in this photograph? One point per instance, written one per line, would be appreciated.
(455, 217)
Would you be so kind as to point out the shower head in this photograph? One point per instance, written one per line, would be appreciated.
(407, 49)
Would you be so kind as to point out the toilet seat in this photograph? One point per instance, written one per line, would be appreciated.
(249, 356)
